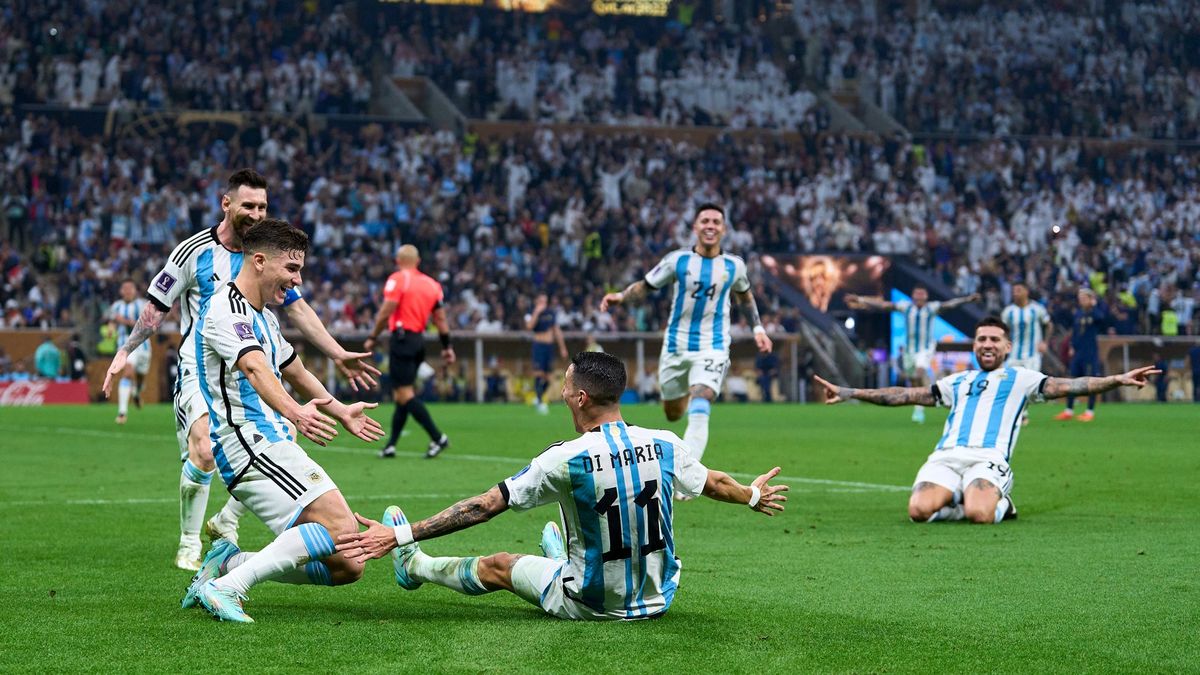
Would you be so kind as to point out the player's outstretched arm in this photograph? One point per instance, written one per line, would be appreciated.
(759, 495)
(745, 300)
(356, 366)
(863, 302)
(1058, 387)
(148, 323)
(378, 539)
(889, 396)
(353, 417)
(632, 293)
(308, 420)
(955, 302)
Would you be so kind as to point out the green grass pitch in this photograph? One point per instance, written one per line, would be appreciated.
(1098, 574)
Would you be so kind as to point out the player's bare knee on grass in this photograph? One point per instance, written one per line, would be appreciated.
(926, 500)
(495, 571)
(980, 500)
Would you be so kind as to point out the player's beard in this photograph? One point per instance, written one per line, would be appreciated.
(242, 225)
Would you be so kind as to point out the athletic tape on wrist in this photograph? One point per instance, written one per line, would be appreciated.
(404, 535)
(755, 495)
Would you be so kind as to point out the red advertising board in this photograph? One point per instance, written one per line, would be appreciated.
(36, 393)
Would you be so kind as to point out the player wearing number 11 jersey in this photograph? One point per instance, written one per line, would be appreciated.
(613, 486)
(695, 351)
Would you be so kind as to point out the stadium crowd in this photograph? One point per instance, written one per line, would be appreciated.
(601, 70)
(126, 54)
(1101, 69)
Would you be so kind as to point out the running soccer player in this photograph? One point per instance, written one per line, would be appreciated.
(410, 300)
(613, 486)
(695, 351)
(193, 272)
(124, 314)
(1089, 319)
(968, 474)
(242, 358)
(1031, 329)
(919, 343)
(543, 321)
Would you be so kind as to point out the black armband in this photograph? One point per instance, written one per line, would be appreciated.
(445, 338)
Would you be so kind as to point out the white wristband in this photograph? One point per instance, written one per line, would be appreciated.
(759, 330)
(755, 495)
(403, 534)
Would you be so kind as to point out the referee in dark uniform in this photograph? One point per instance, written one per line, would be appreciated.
(410, 300)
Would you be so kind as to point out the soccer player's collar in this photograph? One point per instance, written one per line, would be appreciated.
(718, 254)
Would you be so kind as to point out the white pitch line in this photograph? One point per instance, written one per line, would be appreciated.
(456, 456)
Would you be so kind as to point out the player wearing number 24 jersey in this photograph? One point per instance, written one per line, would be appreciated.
(968, 475)
(613, 486)
(695, 352)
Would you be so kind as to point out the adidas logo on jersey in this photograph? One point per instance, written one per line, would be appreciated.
(214, 277)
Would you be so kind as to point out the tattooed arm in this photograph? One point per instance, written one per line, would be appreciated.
(889, 396)
(148, 323)
(749, 308)
(1058, 387)
(632, 293)
(378, 539)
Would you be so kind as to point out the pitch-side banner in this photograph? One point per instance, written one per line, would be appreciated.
(38, 393)
(604, 7)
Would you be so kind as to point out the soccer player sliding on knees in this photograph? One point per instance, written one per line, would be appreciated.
(968, 475)
(614, 486)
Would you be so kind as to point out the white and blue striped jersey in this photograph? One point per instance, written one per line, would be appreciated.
(197, 268)
(700, 310)
(227, 328)
(614, 486)
(918, 326)
(985, 407)
(128, 310)
(1027, 326)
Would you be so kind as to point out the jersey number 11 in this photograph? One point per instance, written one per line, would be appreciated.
(647, 500)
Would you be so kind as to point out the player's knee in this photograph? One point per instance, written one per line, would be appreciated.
(342, 571)
(495, 571)
(200, 450)
(980, 515)
(920, 513)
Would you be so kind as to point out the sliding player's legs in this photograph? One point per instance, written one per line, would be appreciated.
(986, 493)
(936, 491)
(962, 483)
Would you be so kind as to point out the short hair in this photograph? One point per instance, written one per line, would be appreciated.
(920, 286)
(992, 320)
(601, 375)
(708, 206)
(273, 234)
(247, 177)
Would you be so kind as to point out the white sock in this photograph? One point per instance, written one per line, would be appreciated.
(952, 512)
(231, 513)
(290, 550)
(314, 573)
(459, 574)
(193, 499)
(696, 435)
(124, 389)
(1001, 509)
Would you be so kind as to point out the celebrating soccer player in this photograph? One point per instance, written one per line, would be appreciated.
(695, 351)
(614, 486)
(968, 474)
(195, 270)
(124, 314)
(241, 357)
(919, 345)
(1031, 330)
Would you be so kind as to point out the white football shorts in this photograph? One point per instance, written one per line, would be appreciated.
(678, 372)
(956, 468)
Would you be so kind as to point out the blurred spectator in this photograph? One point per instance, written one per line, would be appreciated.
(48, 359)
(77, 360)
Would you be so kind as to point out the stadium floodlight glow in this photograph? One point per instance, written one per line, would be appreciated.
(1056, 229)
(850, 323)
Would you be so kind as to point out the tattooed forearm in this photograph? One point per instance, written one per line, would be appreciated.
(1058, 387)
(635, 292)
(746, 301)
(147, 324)
(464, 514)
(890, 395)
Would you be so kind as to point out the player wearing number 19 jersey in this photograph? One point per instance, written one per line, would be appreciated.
(695, 351)
(613, 486)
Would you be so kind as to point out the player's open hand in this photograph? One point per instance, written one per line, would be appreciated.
(611, 299)
(833, 393)
(315, 426)
(115, 368)
(763, 341)
(374, 542)
(354, 418)
(358, 369)
(771, 497)
(1138, 376)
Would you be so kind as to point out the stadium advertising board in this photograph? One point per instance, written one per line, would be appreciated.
(825, 280)
(604, 7)
(38, 393)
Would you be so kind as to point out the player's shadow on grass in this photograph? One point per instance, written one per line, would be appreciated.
(401, 609)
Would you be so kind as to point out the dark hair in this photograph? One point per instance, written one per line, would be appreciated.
(601, 375)
(992, 321)
(247, 177)
(916, 286)
(273, 234)
(708, 206)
